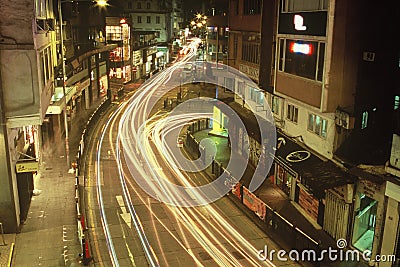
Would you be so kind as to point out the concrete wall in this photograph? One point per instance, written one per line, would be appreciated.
(9, 202)
(391, 228)
(16, 18)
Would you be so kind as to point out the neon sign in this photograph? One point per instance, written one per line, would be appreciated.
(298, 23)
(306, 49)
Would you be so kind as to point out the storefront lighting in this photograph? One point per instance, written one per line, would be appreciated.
(305, 49)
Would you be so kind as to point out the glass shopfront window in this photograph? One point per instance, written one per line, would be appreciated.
(364, 222)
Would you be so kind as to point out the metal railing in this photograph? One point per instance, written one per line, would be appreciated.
(80, 164)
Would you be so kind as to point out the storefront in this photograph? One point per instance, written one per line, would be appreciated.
(369, 205)
(27, 165)
(330, 187)
(103, 85)
(162, 57)
(391, 232)
(338, 210)
(291, 160)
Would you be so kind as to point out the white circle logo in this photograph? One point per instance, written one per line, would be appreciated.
(298, 156)
(341, 243)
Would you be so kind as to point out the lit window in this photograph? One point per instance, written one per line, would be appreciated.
(292, 113)
(302, 58)
(364, 121)
(396, 102)
(317, 125)
(308, 5)
(275, 105)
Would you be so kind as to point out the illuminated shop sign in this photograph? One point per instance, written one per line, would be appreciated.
(306, 49)
(303, 23)
(299, 23)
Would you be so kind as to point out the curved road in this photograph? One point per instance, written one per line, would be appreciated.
(136, 143)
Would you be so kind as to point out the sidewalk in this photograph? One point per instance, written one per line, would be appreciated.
(273, 197)
(48, 237)
(6, 249)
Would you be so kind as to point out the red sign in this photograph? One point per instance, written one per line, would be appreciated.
(306, 49)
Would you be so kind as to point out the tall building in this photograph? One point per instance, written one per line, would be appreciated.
(32, 107)
(177, 17)
(27, 60)
(153, 30)
(319, 65)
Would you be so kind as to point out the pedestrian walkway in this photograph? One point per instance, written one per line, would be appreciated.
(48, 236)
(7, 242)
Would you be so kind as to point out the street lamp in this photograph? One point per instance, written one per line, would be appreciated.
(200, 23)
(99, 3)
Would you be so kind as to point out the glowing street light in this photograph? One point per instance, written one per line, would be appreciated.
(102, 3)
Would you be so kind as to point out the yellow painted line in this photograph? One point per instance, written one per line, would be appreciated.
(10, 255)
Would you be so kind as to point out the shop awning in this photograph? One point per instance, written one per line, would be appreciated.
(293, 157)
(326, 175)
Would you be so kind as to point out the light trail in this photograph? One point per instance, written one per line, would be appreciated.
(142, 143)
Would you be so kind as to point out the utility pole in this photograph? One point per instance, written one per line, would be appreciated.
(63, 85)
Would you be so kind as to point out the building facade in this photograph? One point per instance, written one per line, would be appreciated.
(318, 69)
(27, 58)
(31, 100)
(153, 26)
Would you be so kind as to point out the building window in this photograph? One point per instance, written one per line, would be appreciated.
(302, 58)
(139, 19)
(148, 19)
(256, 96)
(396, 102)
(130, 5)
(41, 7)
(46, 66)
(260, 98)
(281, 54)
(235, 7)
(304, 5)
(251, 49)
(364, 120)
(275, 105)
(317, 125)
(139, 5)
(235, 46)
(292, 113)
(251, 7)
(240, 89)
(114, 33)
(158, 19)
(148, 5)
(229, 83)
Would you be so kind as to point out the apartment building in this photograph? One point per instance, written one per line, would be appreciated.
(31, 98)
(318, 69)
(153, 28)
(27, 53)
